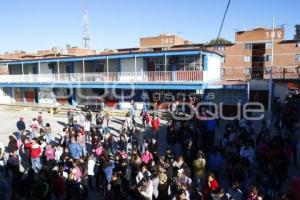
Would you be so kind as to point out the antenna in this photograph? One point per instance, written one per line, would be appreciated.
(85, 34)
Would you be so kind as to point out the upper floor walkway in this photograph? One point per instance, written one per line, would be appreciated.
(106, 77)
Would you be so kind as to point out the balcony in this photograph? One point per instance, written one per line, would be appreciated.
(236, 73)
(247, 73)
(283, 73)
(124, 77)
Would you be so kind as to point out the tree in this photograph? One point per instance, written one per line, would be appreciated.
(297, 34)
(219, 41)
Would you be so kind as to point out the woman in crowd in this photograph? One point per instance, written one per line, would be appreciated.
(132, 166)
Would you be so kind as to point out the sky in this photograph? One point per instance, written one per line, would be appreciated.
(31, 25)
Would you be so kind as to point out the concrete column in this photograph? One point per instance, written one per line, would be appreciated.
(83, 66)
(11, 94)
(135, 74)
(107, 66)
(74, 97)
(183, 63)
(165, 66)
(200, 60)
(57, 66)
(22, 67)
(36, 95)
(121, 100)
(248, 91)
(83, 69)
(23, 94)
(39, 67)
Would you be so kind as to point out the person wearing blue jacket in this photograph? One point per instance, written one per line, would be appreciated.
(75, 149)
(108, 170)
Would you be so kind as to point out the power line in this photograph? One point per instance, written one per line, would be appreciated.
(224, 16)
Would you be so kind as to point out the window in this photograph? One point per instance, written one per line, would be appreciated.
(297, 57)
(268, 45)
(247, 71)
(188, 63)
(247, 58)
(220, 48)
(298, 44)
(159, 63)
(248, 46)
(223, 71)
(268, 58)
(150, 49)
(222, 59)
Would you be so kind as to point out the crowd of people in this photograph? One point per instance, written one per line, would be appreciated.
(200, 163)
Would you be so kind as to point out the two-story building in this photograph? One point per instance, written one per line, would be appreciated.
(153, 72)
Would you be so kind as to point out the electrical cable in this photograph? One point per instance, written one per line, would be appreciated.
(223, 20)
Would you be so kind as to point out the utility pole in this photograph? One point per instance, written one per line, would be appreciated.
(271, 76)
(86, 35)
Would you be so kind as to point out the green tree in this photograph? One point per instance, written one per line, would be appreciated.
(297, 34)
(219, 41)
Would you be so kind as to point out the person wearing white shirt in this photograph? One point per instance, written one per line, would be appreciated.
(247, 152)
(90, 171)
(142, 173)
(58, 153)
(146, 188)
(87, 129)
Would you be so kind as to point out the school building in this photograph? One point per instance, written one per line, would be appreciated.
(159, 70)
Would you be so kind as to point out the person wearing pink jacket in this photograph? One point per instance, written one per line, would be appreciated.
(147, 156)
(50, 155)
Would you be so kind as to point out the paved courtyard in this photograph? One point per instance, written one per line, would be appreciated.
(8, 120)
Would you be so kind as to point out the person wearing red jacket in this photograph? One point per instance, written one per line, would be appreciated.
(35, 153)
(155, 125)
(211, 187)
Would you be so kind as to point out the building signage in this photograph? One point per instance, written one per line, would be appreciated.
(278, 35)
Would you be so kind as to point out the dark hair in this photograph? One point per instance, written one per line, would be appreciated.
(182, 191)
(145, 179)
(211, 174)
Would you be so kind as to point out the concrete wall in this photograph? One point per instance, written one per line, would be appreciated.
(4, 97)
(3, 69)
(213, 72)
